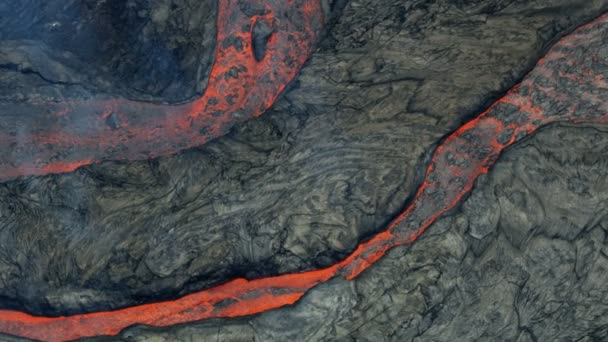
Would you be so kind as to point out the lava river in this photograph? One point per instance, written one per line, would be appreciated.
(261, 45)
(569, 84)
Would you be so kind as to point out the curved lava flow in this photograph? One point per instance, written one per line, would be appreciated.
(569, 85)
(261, 45)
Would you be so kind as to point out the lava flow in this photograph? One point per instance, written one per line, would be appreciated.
(261, 45)
(568, 85)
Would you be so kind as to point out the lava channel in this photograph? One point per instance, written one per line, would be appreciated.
(261, 46)
(568, 85)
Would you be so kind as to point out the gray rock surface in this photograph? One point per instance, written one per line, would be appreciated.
(297, 189)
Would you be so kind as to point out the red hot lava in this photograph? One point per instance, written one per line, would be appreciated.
(245, 80)
(569, 85)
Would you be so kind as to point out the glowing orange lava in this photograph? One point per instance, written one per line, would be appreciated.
(568, 85)
(37, 139)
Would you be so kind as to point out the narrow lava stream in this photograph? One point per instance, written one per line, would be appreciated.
(568, 85)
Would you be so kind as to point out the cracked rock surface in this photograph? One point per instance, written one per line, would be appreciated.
(330, 164)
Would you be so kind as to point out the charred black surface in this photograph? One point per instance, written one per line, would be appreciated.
(261, 33)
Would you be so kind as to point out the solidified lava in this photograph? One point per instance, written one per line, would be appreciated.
(261, 45)
(568, 85)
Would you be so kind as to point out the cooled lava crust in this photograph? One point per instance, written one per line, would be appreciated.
(572, 77)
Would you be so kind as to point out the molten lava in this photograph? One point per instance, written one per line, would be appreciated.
(261, 45)
(569, 85)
